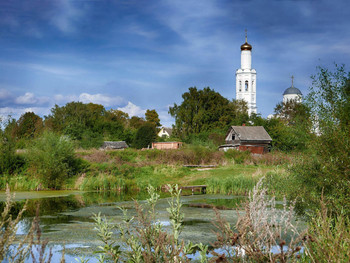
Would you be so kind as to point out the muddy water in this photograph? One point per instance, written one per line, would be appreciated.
(66, 217)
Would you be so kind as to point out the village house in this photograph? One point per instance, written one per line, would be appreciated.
(247, 138)
(165, 132)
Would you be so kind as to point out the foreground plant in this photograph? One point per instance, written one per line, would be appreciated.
(260, 235)
(328, 237)
(31, 245)
(142, 238)
(263, 234)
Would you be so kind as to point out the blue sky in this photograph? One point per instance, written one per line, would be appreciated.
(137, 55)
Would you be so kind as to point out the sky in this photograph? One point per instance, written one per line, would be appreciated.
(135, 55)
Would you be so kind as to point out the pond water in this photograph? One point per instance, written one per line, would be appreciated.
(66, 216)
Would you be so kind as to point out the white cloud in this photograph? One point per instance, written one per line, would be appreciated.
(16, 113)
(133, 110)
(105, 100)
(29, 98)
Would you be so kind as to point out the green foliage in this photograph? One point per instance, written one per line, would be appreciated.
(152, 117)
(89, 124)
(29, 125)
(10, 162)
(234, 185)
(328, 237)
(205, 110)
(211, 139)
(143, 237)
(287, 136)
(326, 169)
(145, 135)
(52, 158)
(239, 157)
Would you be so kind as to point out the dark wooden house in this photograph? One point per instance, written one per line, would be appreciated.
(247, 138)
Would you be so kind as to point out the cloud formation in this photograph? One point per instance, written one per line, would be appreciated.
(133, 110)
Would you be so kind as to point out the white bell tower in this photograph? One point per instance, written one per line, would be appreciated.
(246, 78)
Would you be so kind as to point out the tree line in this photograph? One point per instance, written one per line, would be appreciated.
(86, 124)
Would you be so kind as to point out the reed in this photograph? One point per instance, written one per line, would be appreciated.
(103, 182)
(236, 185)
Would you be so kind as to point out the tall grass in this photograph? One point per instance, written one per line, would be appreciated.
(104, 182)
(236, 185)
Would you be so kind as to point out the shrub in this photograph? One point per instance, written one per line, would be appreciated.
(52, 158)
(239, 157)
(145, 136)
(10, 162)
(329, 237)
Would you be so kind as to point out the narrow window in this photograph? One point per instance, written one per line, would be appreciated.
(246, 85)
(240, 86)
(233, 137)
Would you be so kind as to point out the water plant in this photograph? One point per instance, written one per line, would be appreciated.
(30, 245)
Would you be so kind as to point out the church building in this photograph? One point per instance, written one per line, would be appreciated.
(246, 78)
(292, 93)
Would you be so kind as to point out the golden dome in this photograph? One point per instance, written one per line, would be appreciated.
(246, 46)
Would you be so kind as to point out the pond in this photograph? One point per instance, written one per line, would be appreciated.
(66, 216)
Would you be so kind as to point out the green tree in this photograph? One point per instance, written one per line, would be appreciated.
(205, 110)
(326, 171)
(29, 125)
(152, 117)
(10, 162)
(52, 158)
(119, 116)
(89, 124)
(145, 135)
(136, 122)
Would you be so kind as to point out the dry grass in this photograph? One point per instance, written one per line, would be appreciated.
(260, 235)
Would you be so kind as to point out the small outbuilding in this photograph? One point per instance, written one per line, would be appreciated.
(247, 138)
(114, 145)
(166, 145)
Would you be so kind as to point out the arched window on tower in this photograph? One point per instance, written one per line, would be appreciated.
(246, 85)
(240, 86)
(253, 86)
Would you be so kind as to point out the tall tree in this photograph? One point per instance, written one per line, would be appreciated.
(152, 117)
(204, 110)
(29, 125)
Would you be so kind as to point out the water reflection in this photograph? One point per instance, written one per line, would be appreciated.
(68, 220)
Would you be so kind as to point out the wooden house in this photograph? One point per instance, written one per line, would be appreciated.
(247, 138)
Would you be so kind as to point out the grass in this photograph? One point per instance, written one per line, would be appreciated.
(132, 169)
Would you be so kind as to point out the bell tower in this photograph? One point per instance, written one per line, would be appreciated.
(246, 78)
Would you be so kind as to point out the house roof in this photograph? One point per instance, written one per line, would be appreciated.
(168, 130)
(251, 133)
(115, 145)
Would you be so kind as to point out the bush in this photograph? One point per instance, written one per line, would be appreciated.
(239, 157)
(10, 162)
(52, 158)
(145, 136)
